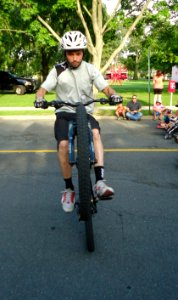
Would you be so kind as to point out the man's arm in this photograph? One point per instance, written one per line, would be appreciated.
(108, 91)
(128, 107)
(139, 107)
(41, 93)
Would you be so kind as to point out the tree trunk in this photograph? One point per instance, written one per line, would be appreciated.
(135, 76)
(44, 64)
(95, 47)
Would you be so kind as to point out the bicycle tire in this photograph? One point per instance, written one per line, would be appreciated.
(84, 181)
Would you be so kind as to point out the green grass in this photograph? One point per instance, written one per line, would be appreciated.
(13, 100)
(38, 112)
(127, 89)
(140, 88)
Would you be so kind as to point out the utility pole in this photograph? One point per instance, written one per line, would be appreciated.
(149, 77)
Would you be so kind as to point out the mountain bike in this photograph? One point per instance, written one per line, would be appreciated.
(80, 139)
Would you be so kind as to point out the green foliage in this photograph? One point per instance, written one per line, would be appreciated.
(64, 4)
(24, 35)
(164, 49)
(39, 50)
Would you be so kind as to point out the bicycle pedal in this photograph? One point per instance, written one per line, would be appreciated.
(76, 205)
(106, 198)
(93, 210)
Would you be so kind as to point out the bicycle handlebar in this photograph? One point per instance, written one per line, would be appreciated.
(59, 103)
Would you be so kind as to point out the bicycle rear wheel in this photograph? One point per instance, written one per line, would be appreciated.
(83, 163)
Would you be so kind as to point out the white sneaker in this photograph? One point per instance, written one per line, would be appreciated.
(68, 200)
(102, 191)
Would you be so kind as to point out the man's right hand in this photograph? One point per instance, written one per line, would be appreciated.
(115, 99)
(40, 103)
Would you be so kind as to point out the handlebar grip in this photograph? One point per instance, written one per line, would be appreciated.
(41, 104)
(103, 100)
(115, 99)
(37, 104)
(44, 105)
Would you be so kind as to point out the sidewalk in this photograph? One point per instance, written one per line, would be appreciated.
(106, 107)
(97, 112)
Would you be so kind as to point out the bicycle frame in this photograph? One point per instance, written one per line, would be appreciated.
(71, 148)
(72, 133)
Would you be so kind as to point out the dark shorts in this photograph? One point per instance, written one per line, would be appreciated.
(158, 91)
(62, 121)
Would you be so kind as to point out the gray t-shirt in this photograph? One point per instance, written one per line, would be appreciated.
(134, 105)
(74, 85)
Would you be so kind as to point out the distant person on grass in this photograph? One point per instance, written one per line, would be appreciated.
(158, 85)
(134, 109)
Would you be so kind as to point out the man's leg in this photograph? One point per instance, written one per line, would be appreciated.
(101, 190)
(63, 159)
(68, 197)
(138, 116)
(61, 135)
(130, 116)
(98, 145)
(134, 117)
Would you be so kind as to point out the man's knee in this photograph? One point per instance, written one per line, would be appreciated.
(63, 146)
(96, 134)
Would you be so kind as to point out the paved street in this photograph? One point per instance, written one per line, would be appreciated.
(43, 254)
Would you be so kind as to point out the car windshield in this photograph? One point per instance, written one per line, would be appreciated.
(13, 75)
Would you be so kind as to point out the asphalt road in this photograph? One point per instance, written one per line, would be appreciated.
(42, 249)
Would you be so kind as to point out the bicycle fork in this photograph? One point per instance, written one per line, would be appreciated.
(72, 132)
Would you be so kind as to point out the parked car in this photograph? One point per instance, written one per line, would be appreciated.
(19, 85)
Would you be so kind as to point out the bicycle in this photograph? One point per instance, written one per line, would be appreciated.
(84, 159)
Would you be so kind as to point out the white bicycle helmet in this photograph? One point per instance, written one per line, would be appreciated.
(73, 40)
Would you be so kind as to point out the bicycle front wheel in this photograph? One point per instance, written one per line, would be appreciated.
(83, 163)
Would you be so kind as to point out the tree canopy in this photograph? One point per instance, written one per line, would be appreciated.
(31, 30)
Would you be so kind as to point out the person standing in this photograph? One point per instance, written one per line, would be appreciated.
(158, 86)
(134, 109)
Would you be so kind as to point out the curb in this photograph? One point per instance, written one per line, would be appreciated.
(97, 108)
(52, 117)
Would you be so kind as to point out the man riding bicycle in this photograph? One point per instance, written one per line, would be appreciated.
(73, 81)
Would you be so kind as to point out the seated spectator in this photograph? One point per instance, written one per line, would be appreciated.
(168, 120)
(158, 110)
(134, 109)
(120, 111)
